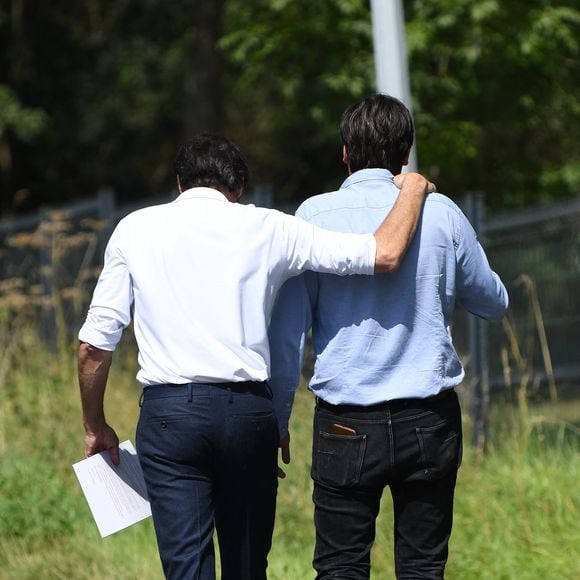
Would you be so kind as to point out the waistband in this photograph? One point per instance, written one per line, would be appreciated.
(395, 405)
(190, 389)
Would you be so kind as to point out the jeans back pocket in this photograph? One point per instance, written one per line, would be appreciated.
(440, 449)
(337, 459)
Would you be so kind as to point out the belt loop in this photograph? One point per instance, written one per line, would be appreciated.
(269, 391)
(189, 392)
(231, 394)
(141, 398)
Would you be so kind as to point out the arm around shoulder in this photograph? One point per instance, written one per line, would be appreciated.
(398, 229)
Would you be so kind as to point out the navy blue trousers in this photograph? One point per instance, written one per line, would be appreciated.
(209, 455)
(413, 446)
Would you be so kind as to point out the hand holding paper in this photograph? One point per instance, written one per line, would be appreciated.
(105, 439)
(116, 494)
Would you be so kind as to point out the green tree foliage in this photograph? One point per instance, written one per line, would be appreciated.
(496, 88)
(96, 93)
(116, 85)
(494, 85)
(296, 65)
(25, 123)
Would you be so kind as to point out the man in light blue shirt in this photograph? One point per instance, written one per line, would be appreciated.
(386, 411)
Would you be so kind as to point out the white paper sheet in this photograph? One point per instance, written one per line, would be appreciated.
(116, 494)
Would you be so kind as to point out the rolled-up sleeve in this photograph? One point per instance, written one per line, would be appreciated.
(110, 310)
(308, 247)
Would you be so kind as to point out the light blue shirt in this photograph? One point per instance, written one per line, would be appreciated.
(384, 337)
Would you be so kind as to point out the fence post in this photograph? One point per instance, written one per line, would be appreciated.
(478, 342)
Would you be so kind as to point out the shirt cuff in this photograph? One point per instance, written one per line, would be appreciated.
(103, 338)
(368, 267)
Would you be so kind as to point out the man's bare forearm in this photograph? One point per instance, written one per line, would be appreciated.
(93, 369)
(94, 365)
(397, 230)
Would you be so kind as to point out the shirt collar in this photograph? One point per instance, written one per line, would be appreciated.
(373, 174)
(202, 193)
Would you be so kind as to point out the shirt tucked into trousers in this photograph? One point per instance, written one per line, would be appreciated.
(198, 277)
(385, 368)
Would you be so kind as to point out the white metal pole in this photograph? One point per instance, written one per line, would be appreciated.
(392, 73)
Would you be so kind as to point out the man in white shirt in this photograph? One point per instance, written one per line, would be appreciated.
(199, 276)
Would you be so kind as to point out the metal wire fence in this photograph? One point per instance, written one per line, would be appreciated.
(50, 261)
(536, 252)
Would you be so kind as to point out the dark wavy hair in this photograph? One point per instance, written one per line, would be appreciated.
(211, 161)
(377, 132)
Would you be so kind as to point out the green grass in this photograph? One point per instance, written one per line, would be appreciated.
(516, 514)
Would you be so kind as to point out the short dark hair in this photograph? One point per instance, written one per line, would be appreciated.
(377, 132)
(211, 161)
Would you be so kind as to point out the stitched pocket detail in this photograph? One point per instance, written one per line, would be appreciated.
(338, 459)
(439, 445)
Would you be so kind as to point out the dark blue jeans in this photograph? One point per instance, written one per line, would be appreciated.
(209, 455)
(414, 447)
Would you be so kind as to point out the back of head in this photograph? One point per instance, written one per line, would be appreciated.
(211, 161)
(377, 132)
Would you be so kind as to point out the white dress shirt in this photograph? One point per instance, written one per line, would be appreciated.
(199, 277)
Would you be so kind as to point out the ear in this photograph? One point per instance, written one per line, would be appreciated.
(406, 158)
(234, 196)
(344, 155)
